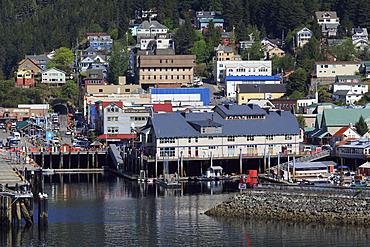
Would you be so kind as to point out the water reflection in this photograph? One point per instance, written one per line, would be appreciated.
(103, 210)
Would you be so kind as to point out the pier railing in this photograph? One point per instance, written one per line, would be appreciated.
(306, 158)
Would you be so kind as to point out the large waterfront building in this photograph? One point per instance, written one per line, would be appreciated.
(225, 132)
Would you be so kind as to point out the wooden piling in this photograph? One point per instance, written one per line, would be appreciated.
(51, 160)
(18, 213)
(2, 204)
(61, 161)
(78, 160)
(88, 159)
(9, 207)
(41, 209)
(45, 213)
(26, 215)
(93, 159)
(42, 159)
(69, 160)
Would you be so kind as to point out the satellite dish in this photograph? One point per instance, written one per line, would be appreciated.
(71, 77)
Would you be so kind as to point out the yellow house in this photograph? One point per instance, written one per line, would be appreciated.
(245, 92)
(226, 53)
(276, 51)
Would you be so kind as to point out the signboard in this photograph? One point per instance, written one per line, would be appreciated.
(49, 135)
(136, 111)
(242, 186)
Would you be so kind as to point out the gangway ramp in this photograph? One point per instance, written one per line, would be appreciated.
(306, 158)
(115, 155)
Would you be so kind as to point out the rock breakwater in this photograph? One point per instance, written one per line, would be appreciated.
(296, 207)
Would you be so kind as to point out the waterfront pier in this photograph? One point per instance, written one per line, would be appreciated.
(16, 197)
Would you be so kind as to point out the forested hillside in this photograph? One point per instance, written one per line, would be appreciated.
(36, 26)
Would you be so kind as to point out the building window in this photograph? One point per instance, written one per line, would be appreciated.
(271, 149)
(189, 140)
(170, 152)
(138, 118)
(231, 138)
(167, 140)
(212, 147)
(196, 139)
(112, 130)
(269, 137)
(100, 90)
(250, 138)
(288, 137)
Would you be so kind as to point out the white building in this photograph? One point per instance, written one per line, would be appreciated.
(160, 41)
(241, 68)
(226, 132)
(360, 37)
(54, 77)
(329, 22)
(303, 36)
(150, 29)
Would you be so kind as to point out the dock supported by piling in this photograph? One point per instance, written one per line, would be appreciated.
(16, 198)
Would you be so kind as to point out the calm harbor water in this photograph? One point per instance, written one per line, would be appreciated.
(103, 210)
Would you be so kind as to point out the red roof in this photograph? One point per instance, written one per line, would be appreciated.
(344, 142)
(116, 136)
(119, 103)
(341, 131)
(162, 107)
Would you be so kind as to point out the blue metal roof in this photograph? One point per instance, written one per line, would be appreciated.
(177, 125)
(253, 78)
(234, 110)
(206, 123)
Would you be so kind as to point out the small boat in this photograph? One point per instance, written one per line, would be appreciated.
(225, 178)
(205, 178)
(358, 183)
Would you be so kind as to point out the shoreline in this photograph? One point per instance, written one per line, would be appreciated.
(309, 207)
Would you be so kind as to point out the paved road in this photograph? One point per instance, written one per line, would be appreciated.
(214, 90)
(66, 139)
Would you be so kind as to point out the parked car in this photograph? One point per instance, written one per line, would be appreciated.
(68, 132)
(306, 182)
(326, 148)
(82, 144)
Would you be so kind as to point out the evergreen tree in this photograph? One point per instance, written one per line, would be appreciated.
(363, 17)
(212, 37)
(361, 126)
(117, 63)
(241, 32)
(301, 121)
(297, 81)
(255, 52)
(185, 37)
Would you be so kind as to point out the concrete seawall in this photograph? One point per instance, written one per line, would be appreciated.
(296, 207)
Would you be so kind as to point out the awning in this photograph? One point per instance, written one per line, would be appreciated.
(215, 168)
(365, 165)
(146, 130)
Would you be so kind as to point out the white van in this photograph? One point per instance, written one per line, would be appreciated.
(16, 135)
(307, 149)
